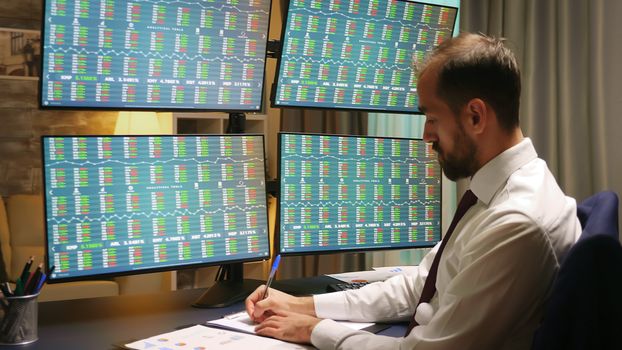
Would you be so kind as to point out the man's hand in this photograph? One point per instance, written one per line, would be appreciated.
(259, 309)
(288, 326)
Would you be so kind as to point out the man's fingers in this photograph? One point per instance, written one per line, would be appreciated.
(262, 317)
(282, 313)
(260, 308)
(267, 332)
(264, 309)
(272, 321)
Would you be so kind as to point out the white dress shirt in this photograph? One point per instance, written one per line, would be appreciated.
(494, 275)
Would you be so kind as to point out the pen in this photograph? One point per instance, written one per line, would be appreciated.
(41, 282)
(43, 279)
(26, 270)
(5, 290)
(33, 281)
(19, 287)
(275, 266)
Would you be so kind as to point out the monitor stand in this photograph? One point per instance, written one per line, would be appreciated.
(230, 287)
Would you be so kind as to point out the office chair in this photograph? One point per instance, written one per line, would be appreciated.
(598, 214)
(584, 310)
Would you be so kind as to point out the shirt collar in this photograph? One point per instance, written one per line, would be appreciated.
(489, 178)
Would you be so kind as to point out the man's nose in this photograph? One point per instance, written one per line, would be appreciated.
(429, 135)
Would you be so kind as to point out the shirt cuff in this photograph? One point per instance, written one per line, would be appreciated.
(328, 334)
(330, 305)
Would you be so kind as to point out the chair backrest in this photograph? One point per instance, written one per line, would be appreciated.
(585, 307)
(598, 214)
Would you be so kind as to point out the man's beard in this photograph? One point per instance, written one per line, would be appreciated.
(461, 163)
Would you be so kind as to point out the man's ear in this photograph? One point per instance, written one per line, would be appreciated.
(477, 115)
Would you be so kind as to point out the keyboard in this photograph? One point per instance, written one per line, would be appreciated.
(337, 287)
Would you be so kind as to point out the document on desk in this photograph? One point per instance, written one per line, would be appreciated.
(202, 337)
(396, 270)
(361, 276)
(235, 331)
(375, 275)
(242, 322)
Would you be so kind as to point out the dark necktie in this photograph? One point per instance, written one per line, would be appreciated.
(429, 288)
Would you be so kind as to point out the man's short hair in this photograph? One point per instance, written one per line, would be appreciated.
(478, 66)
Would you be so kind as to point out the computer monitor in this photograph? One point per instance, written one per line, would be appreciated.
(358, 55)
(343, 193)
(168, 55)
(119, 205)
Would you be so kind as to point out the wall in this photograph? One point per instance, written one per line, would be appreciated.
(21, 121)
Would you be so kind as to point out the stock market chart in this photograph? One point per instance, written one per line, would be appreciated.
(353, 54)
(124, 203)
(357, 193)
(192, 54)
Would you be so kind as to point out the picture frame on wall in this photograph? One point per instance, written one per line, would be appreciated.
(20, 53)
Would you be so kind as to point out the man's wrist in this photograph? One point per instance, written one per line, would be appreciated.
(312, 326)
(306, 306)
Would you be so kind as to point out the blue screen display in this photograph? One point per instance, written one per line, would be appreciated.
(340, 193)
(147, 54)
(120, 204)
(352, 54)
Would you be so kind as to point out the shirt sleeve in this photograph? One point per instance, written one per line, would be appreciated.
(393, 299)
(500, 274)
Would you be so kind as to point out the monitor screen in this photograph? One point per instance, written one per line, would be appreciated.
(132, 204)
(144, 54)
(356, 193)
(358, 55)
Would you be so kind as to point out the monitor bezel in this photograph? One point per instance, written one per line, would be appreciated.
(277, 225)
(310, 105)
(260, 110)
(172, 267)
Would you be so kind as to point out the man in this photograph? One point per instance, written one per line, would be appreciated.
(499, 263)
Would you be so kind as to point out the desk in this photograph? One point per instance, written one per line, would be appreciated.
(99, 323)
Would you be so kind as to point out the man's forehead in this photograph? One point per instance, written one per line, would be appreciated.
(426, 83)
(430, 72)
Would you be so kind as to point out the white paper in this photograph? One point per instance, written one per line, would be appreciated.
(356, 325)
(397, 269)
(239, 321)
(242, 322)
(201, 337)
(362, 276)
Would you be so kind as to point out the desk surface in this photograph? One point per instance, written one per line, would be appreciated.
(100, 323)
